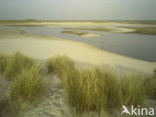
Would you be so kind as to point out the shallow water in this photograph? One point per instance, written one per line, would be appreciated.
(131, 45)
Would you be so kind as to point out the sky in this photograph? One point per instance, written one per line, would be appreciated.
(78, 9)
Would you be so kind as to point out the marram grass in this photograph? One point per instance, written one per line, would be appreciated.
(60, 65)
(16, 63)
(25, 76)
(28, 84)
(150, 85)
(99, 89)
(89, 89)
(3, 63)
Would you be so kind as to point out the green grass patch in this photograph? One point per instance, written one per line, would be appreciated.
(3, 63)
(16, 63)
(150, 84)
(60, 65)
(99, 89)
(94, 89)
(26, 79)
(28, 84)
(133, 89)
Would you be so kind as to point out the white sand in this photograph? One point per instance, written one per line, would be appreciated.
(118, 30)
(91, 35)
(43, 47)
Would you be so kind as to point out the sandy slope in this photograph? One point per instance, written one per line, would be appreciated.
(43, 47)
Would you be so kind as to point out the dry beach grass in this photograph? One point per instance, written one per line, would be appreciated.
(98, 89)
(25, 76)
(87, 90)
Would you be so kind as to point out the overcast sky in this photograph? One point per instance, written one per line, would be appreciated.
(78, 9)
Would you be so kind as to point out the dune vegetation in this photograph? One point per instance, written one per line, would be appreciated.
(25, 77)
(100, 89)
(16, 63)
(3, 62)
(28, 83)
(151, 86)
(91, 89)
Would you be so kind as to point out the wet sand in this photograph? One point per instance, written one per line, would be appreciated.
(43, 47)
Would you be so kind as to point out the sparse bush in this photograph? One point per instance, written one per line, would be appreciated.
(28, 83)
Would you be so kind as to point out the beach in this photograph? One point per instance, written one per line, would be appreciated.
(42, 47)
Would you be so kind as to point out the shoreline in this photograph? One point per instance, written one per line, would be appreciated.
(42, 47)
(77, 22)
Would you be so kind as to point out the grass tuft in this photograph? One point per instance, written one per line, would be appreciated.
(97, 89)
(150, 85)
(133, 89)
(26, 79)
(60, 65)
(28, 84)
(16, 63)
(3, 63)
